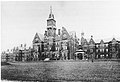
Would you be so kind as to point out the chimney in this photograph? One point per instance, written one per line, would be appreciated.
(45, 33)
(91, 36)
(58, 31)
(24, 46)
(21, 45)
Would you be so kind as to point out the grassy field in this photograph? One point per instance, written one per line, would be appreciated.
(84, 71)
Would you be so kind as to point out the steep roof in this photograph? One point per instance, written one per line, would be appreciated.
(86, 41)
(91, 40)
(39, 37)
(102, 42)
(65, 34)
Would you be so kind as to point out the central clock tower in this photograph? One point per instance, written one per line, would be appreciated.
(51, 25)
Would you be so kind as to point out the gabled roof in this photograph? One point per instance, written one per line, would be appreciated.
(114, 41)
(85, 41)
(65, 34)
(102, 42)
(39, 36)
(91, 41)
(82, 39)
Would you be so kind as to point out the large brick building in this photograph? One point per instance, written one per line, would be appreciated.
(54, 45)
(62, 45)
(101, 50)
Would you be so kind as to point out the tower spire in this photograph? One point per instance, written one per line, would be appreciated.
(51, 16)
(51, 24)
(50, 9)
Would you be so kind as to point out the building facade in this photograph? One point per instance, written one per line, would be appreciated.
(102, 50)
(62, 46)
(55, 45)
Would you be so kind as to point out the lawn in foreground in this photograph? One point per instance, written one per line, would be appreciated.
(60, 70)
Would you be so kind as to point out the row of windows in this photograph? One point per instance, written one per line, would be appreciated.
(103, 45)
(102, 50)
(57, 48)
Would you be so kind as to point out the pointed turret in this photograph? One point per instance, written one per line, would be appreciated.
(51, 24)
(50, 20)
(51, 16)
(91, 40)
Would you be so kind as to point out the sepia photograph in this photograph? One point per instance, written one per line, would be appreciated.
(60, 41)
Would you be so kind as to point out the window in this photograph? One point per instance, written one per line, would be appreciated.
(106, 50)
(113, 49)
(107, 55)
(96, 50)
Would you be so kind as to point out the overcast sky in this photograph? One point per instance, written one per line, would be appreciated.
(21, 20)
